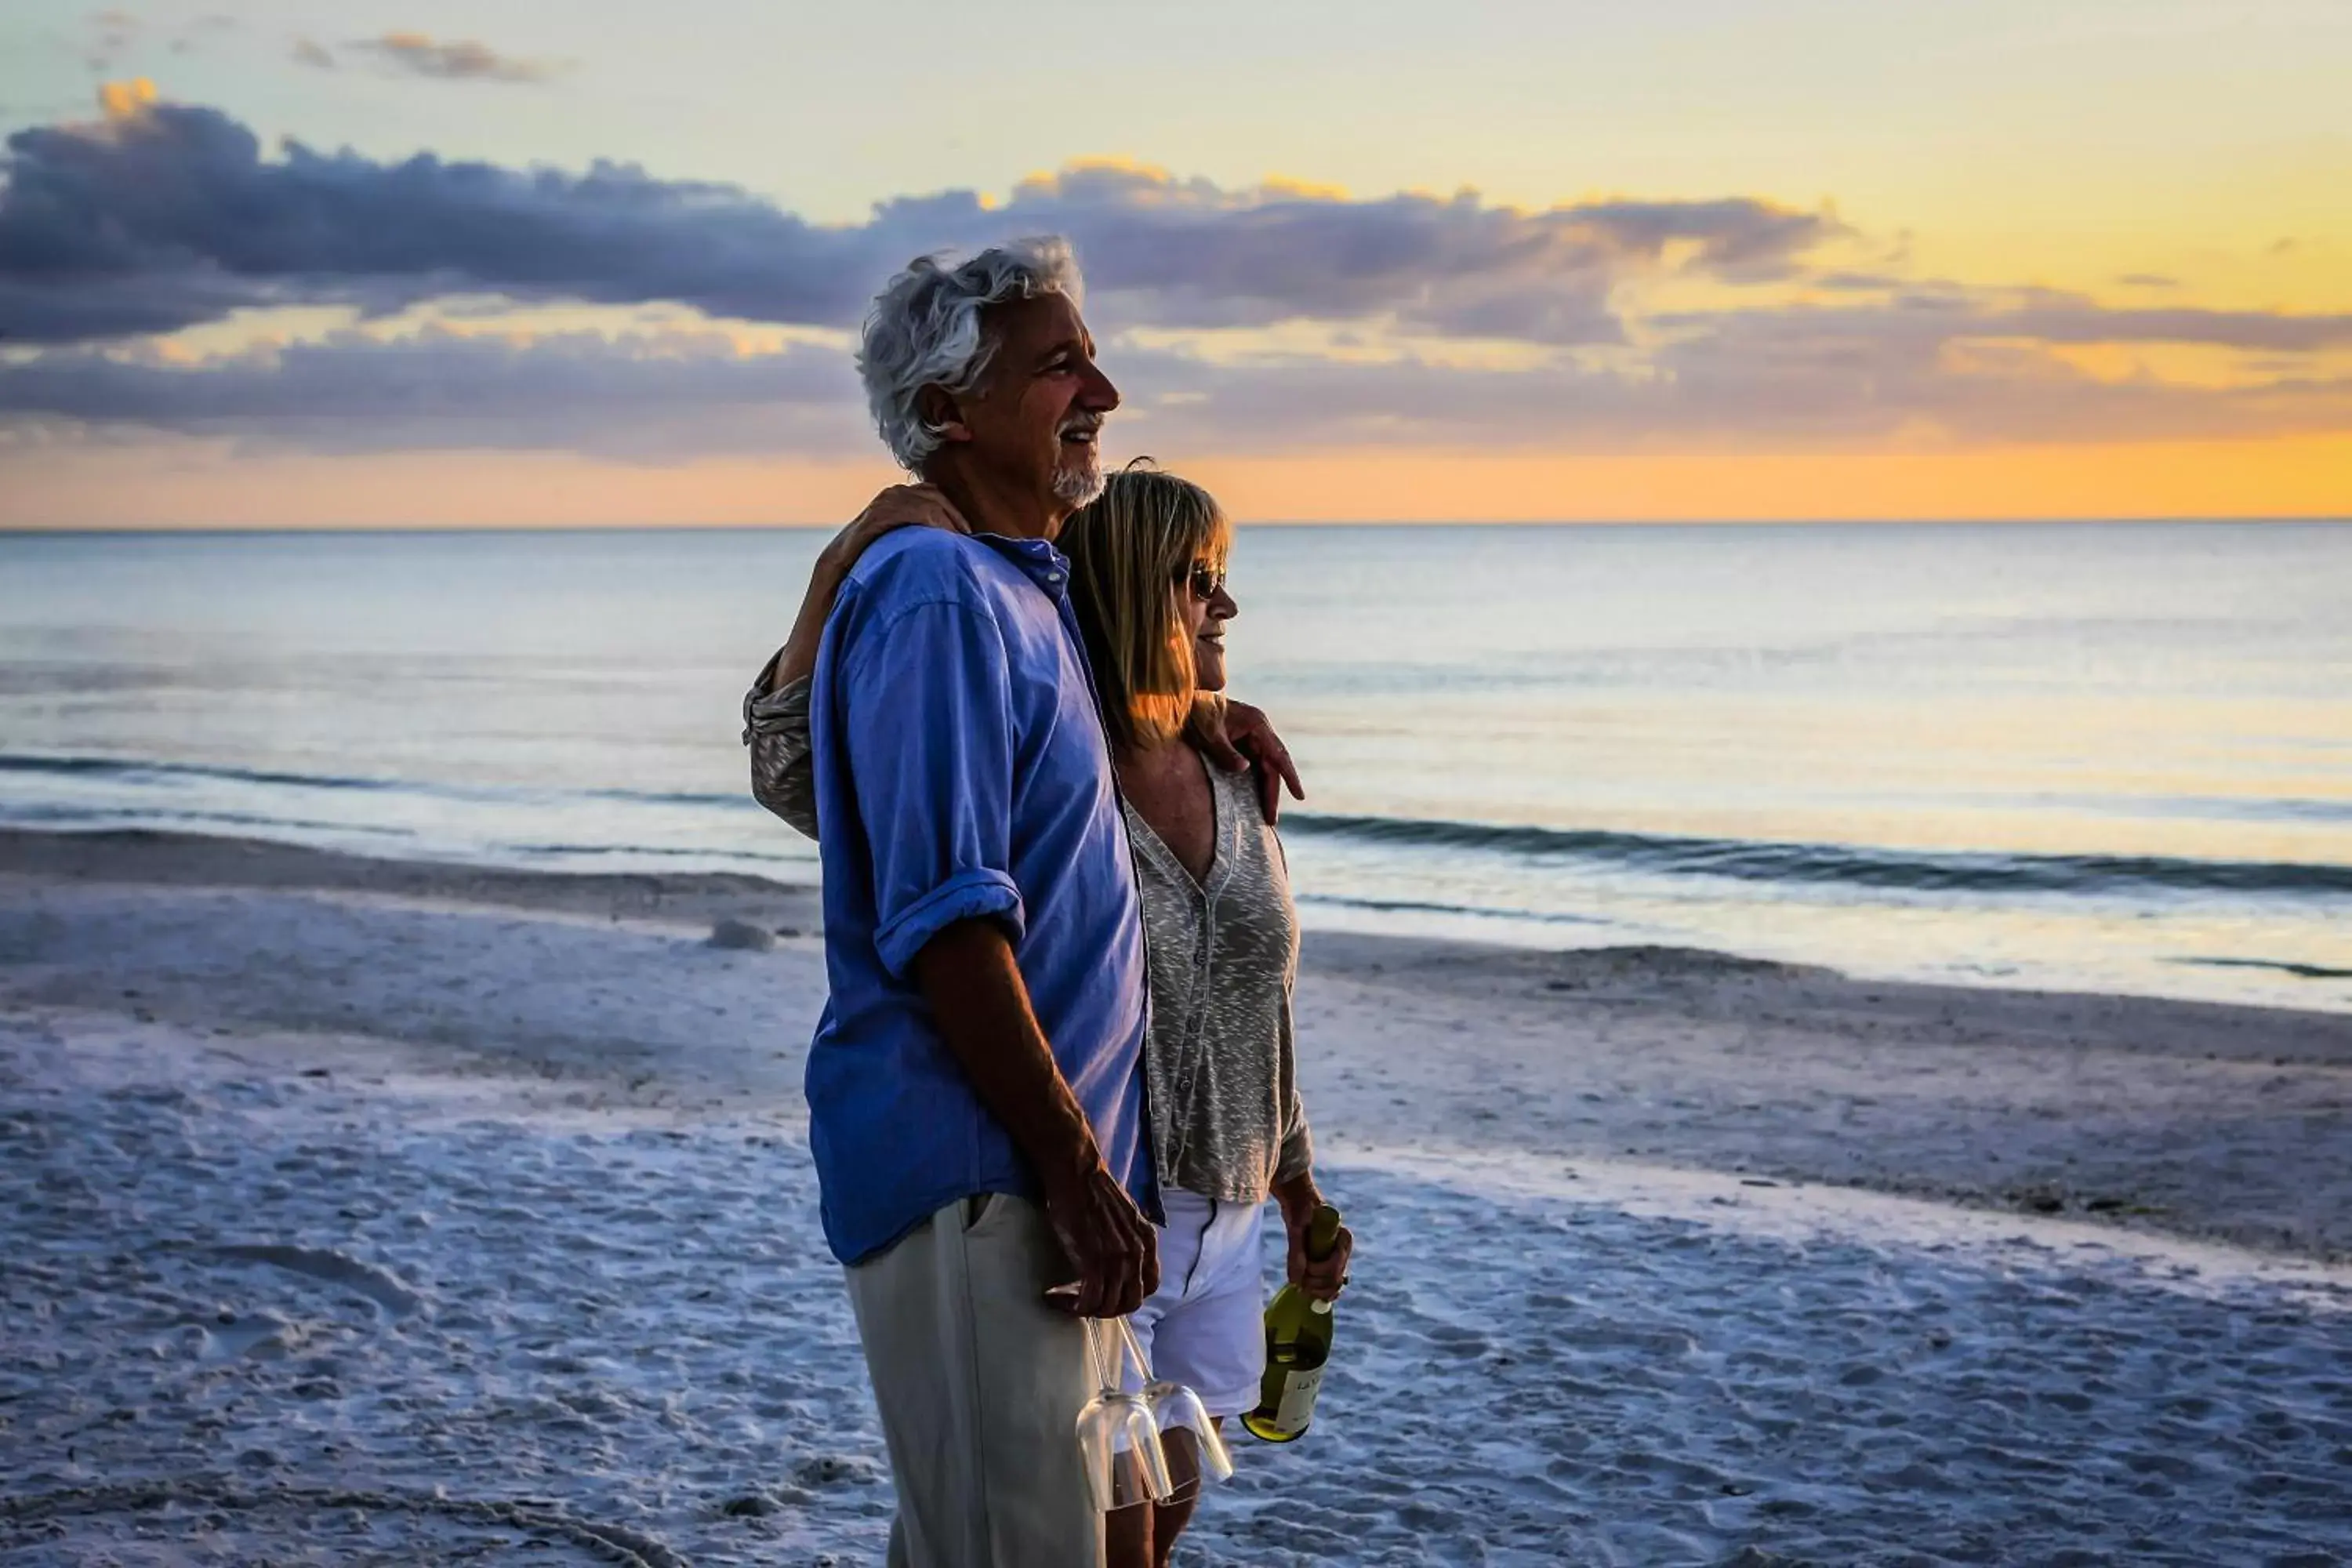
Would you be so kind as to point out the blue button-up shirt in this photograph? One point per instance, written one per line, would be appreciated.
(961, 774)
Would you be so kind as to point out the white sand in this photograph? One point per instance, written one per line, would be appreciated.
(359, 1214)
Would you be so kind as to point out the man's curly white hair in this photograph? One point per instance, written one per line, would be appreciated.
(924, 329)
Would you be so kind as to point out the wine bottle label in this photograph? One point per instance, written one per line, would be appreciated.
(1297, 1406)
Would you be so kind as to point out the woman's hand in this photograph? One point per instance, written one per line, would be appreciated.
(1320, 1281)
(900, 506)
(1234, 735)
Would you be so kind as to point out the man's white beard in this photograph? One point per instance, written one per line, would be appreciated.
(1079, 487)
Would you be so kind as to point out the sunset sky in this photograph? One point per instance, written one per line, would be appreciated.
(497, 264)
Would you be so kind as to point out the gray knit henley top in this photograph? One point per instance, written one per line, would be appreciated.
(1220, 1066)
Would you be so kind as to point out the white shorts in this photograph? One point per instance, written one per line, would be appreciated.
(1205, 1326)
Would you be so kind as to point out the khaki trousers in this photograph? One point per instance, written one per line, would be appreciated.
(979, 1383)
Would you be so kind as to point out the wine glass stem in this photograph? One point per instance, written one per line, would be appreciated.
(1134, 1349)
(1106, 1375)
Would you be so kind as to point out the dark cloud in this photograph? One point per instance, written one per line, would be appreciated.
(1928, 319)
(1942, 373)
(161, 217)
(643, 396)
(675, 396)
(1707, 393)
(1189, 253)
(454, 60)
(168, 213)
(2269, 331)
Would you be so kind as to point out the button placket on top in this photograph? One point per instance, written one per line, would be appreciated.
(1201, 902)
(1205, 898)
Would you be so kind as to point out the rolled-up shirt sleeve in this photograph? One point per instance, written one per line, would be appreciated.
(783, 772)
(926, 709)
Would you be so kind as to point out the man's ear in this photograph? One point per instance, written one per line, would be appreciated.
(943, 413)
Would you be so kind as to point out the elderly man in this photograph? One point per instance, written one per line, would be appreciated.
(975, 1102)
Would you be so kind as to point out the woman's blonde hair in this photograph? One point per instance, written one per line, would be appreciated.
(1131, 556)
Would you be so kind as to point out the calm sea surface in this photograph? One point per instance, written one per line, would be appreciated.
(2094, 756)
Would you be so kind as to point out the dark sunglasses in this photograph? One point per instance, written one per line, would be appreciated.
(1205, 580)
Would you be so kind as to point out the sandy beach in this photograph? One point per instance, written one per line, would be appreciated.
(369, 1211)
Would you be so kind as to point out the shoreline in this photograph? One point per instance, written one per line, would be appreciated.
(2217, 1122)
(161, 858)
(167, 857)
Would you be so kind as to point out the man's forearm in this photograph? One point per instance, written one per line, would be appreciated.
(981, 1007)
(1297, 1196)
(797, 657)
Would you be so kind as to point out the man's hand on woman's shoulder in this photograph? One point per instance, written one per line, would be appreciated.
(1234, 735)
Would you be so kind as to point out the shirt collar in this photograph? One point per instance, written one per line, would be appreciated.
(1038, 559)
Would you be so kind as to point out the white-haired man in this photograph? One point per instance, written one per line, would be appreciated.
(975, 1102)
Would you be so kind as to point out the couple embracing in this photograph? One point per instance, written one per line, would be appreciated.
(1053, 1080)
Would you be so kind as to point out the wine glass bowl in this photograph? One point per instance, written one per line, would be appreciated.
(1196, 1450)
(1188, 1434)
(1119, 1438)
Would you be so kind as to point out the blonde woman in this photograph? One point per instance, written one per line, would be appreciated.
(1146, 565)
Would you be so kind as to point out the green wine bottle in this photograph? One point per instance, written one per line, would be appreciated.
(1297, 1343)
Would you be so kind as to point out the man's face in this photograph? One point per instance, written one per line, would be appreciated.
(1036, 422)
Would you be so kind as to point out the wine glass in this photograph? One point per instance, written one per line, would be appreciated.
(1118, 1437)
(1196, 1452)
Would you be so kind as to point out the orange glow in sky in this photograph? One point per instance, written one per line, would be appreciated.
(2301, 477)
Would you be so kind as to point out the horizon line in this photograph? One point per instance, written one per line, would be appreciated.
(2120, 519)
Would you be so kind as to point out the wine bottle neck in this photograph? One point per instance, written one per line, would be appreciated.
(1322, 1233)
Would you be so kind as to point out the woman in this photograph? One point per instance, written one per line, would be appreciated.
(1148, 582)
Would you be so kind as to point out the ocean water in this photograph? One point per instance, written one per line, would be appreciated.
(2109, 756)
